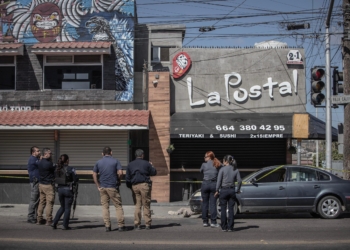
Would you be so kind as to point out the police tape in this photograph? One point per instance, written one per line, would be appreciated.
(331, 169)
(24, 177)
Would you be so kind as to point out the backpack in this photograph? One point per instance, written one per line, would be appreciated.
(63, 176)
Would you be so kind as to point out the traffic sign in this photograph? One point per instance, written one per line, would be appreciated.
(343, 99)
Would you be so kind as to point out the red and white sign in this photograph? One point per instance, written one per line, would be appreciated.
(181, 64)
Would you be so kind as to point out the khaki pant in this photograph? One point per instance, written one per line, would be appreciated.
(142, 198)
(108, 194)
(47, 199)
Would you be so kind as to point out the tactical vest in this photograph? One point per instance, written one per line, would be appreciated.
(63, 176)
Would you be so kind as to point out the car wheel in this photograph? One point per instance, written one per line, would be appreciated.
(218, 209)
(329, 207)
(194, 208)
(315, 215)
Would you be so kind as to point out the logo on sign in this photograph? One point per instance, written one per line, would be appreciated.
(294, 57)
(181, 64)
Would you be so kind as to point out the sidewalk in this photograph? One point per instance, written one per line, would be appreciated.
(160, 210)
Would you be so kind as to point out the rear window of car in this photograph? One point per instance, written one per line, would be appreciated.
(323, 176)
(302, 174)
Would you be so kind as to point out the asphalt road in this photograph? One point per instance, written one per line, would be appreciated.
(251, 232)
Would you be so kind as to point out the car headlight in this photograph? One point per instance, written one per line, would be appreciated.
(197, 194)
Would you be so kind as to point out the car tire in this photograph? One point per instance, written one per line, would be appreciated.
(218, 209)
(193, 208)
(329, 207)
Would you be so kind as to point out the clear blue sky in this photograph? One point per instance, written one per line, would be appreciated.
(246, 22)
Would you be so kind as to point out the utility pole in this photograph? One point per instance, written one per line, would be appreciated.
(346, 84)
(328, 93)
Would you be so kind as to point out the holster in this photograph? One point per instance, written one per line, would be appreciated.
(35, 180)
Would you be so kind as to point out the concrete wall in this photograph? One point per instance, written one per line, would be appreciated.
(255, 66)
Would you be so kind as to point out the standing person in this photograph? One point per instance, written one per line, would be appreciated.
(138, 179)
(226, 184)
(46, 187)
(65, 178)
(210, 170)
(110, 171)
(34, 183)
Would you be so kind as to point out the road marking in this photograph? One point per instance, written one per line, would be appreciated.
(175, 242)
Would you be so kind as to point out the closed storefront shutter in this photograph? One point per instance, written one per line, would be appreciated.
(15, 146)
(84, 148)
(249, 153)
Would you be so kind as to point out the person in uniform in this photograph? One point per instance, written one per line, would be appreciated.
(110, 172)
(210, 170)
(65, 190)
(34, 183)
(225, 189)
(138, 179)
(46, 187)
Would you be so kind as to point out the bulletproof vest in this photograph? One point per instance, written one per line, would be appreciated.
(63, 176)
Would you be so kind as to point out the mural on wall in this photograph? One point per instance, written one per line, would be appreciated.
(42, 21)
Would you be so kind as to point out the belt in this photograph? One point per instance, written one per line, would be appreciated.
(209, 180)
(227, 187)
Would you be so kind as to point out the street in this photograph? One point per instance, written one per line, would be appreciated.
(285, 231)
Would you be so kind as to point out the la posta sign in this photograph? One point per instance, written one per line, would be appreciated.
(241, 94)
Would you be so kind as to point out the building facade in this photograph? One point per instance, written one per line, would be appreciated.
(80, 75)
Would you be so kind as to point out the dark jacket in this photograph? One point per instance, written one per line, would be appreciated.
(139, 171)
(46, 171)
(33, 168)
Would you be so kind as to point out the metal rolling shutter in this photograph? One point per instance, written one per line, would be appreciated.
(15, 146)
(249, 153)
(84, 148)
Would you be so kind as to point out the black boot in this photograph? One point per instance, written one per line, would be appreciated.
(108, 229)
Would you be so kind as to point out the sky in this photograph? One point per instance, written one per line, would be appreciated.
(242, 23)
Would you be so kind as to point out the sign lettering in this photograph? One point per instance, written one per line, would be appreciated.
(15, 108)
(241, 95)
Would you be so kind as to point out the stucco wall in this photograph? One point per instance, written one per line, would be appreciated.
(255, 66)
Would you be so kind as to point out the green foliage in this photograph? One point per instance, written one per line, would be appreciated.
(322, 153)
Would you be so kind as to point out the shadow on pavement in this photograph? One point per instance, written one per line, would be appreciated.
(245, 228)
(88, 227)
(168, 225)
(283, 216)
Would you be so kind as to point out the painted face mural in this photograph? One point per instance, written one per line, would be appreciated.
(181, 64)
(46, 22)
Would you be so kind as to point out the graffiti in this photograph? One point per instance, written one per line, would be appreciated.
(33, 21)
(99, 27)
(45, 22)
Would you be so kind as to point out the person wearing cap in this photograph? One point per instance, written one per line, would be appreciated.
(138, 179)
(225, 189)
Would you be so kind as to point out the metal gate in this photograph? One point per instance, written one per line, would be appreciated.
(249, 153)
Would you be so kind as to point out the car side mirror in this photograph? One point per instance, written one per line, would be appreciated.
(253, 180)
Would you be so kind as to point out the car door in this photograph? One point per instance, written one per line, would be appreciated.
(302, 188)
(267, 193)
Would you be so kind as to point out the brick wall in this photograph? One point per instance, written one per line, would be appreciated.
(159, 133)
